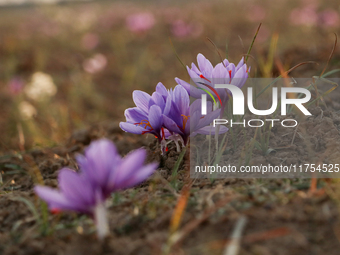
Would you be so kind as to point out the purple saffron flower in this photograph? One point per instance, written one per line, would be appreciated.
(147, 116)
(205, 76)
(185, 120)
(166, 114)
(102, 171)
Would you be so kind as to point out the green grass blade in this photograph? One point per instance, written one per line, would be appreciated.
(330, 73)
(173, 47)
(178, 162)
(252, 43)
(287, 72)
(30, 206)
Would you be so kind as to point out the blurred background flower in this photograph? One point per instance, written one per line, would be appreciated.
(329, 18)
(304, 16)
(90, 41)
(140, 22)
(181, 29)
(15, 85)
(95, 64)
(41, 87)
(27, 111)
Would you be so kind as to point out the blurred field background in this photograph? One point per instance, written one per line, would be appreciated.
(66, 66)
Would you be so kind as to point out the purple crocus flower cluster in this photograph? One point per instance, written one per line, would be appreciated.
(102, 171)
(168, 114)
(206, 76)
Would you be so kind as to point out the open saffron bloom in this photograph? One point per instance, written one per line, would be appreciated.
(206, 76)
(184, 120)
(147, 116)
(102, 171)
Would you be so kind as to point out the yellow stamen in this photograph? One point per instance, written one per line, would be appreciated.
(144, 122)
(185, 120)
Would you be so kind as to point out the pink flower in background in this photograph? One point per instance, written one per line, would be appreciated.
(90, 41)
(256, 13)
(95, 64)
(329, 18)
(306, 16)
(15, 85)
(140, 22)
(181, 29)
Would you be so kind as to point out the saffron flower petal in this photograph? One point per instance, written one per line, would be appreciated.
(134, 160)
(223, 73)
(142, 174)
(134, 115)
(132, 128)
(192, 90)
(141, 99)
(101, 159)
(171, 125)
(161, 89)
(102, 171)
(156, 117)
(204, 65)
(75, 187)
(126, 176)
(140, 116)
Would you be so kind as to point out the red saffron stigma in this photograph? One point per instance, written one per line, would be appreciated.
(55, 211)
(230, 74)
(201, 76)
(166, 149)
(156, 136)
